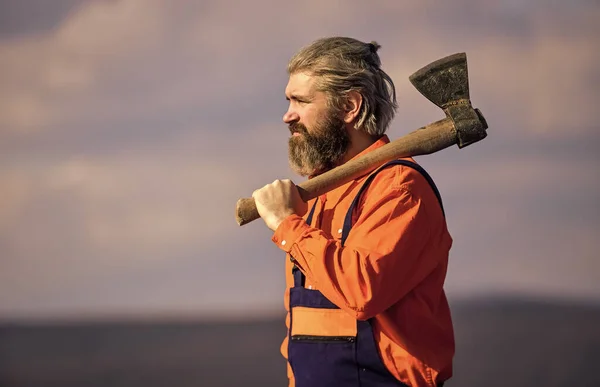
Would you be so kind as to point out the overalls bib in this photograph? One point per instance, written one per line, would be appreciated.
(326, 360)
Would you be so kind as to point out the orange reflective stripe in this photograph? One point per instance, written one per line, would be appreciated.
(322, 322)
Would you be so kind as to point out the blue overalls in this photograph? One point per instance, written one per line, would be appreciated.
(344, 361)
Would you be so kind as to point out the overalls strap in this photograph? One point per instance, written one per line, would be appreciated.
(299, 278)
(406, 163)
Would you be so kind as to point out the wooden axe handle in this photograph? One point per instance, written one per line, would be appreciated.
(428, 139)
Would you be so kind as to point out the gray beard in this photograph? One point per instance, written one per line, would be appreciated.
(315, 153)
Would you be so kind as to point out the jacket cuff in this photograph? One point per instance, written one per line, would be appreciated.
(289, 232)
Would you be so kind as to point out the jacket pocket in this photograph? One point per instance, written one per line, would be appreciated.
(322, 324)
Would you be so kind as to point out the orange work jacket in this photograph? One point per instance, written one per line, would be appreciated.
(391, 268)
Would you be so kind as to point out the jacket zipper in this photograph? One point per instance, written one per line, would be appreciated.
(325, 339)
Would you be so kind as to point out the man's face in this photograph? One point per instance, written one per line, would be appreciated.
(319, 138)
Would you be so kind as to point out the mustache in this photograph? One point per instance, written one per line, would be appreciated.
(296, 127)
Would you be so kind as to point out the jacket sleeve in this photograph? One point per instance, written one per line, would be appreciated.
(390, 249)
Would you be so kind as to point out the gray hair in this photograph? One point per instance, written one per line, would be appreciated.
(345, 64)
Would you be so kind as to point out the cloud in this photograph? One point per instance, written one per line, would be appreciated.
(129, 130)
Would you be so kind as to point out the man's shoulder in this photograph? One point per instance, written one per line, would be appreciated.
(401, 174)
(397, 180)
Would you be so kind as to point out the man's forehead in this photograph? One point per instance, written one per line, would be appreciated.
(300, 83)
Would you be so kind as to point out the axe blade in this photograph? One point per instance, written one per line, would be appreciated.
(444, 81)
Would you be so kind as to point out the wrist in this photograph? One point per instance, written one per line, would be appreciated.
(274, 222)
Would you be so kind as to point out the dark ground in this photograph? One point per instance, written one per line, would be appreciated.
(499, 343)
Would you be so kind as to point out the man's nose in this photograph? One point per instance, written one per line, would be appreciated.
(290, 116)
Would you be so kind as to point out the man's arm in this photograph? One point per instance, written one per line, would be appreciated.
(389, 251)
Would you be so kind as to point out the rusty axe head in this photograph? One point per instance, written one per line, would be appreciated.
(445, 82)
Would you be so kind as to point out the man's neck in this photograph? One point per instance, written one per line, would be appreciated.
(359, 141)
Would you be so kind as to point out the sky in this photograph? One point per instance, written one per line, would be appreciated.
(129, 129)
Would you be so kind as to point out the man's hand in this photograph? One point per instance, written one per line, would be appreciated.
(277, 201)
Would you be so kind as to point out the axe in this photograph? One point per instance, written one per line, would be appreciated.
(445, 83)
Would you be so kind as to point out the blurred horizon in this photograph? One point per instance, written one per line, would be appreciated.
(232, 315)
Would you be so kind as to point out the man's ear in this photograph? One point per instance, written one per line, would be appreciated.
(352, 106)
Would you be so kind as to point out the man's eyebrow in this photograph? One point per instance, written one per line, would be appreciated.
(297, 97)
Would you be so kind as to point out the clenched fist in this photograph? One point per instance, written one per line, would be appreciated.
(277, 201)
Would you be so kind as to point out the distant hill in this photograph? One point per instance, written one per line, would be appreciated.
(499, 343)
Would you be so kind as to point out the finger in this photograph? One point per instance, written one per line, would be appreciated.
(257, 193)
(287, 183)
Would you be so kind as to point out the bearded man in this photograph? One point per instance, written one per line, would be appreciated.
(366, 262)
